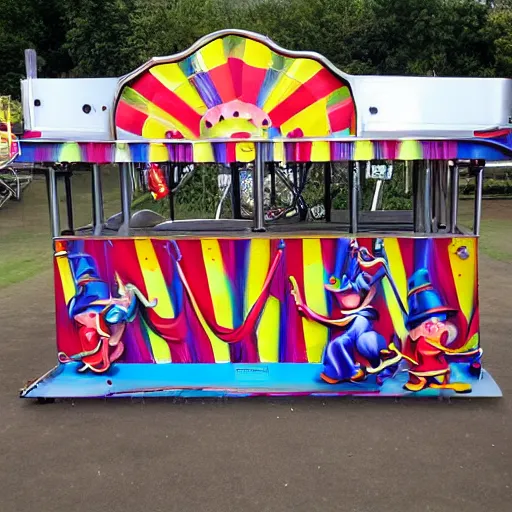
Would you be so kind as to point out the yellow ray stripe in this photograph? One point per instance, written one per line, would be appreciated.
(158, 153)
(203, 152)
(212, 55)
(315, 335)
(363, 150)
(464, 273)
(279, 153)
(257, 54)
(66, 277)
(268, 329)
(156, 288)
(218, 284)
(153, 278)
(410, 150)
(397, 270)
(313, 120)
(219, 347)
(300, 71)
(159, 120)
(175, 80)
(259, 260)
(245, 151)
(268, 332)
(159, 347)
(471, 344)
(320, 151)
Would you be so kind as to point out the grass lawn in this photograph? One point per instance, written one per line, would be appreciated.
(25, 242)
(26, 249)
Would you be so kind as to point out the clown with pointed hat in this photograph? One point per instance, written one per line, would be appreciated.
(100, 316)
(426, 349)
(352, 292)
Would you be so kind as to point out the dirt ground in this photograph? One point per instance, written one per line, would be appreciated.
(359, 455)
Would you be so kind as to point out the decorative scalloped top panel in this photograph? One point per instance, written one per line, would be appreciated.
(235, 87)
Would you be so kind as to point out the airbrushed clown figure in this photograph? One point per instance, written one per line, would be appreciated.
(353, 295)
(101, 317)
(426, 349)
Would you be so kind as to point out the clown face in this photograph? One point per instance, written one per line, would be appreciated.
(435, 328)
(235, 119)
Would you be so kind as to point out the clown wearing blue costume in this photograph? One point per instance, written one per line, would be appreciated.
(353, 295)
(100, 316)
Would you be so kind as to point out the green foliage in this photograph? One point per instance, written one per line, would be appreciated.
(112, 37)
(196, 199)
(16, 112)
(491, 186)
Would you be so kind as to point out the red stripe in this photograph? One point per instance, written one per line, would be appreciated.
(129, 119)
(124, 259)
(252, 80)
(124, 254)
(236, 67)
(443, 280)
(303, 151)
(328, 246)
(247, 80)
(156, 92)
(493, 134)
(340, 116)
(193, 266)
(319, 86)
(221, 78)
(406, 246)
(296, 343)
(230, 152)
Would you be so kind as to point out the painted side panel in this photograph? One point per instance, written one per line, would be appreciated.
(263, 316)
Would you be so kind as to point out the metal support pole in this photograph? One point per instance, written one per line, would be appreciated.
(172, 183)
(479, 184)
(327, 191)
(418, 191)
(295, 176)
(441, 205)
(353, 183)
(258, 182)
(54, 202)
(124, 178)
(235, 192)
(97, 200)
(454, 202)
(427, 198)
(272, 170)
(69, 200)
(407, 178)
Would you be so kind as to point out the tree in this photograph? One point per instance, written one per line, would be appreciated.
(97, 34)
(16, 35)
(500, 32)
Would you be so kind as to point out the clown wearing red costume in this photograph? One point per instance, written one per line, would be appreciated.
(426, 348)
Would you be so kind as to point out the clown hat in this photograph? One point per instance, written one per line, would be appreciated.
(423, 300)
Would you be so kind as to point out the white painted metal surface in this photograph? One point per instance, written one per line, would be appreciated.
(387, 107)
(430, 106)
(60, 114)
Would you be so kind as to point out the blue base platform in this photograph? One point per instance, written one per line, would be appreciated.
(232, 380)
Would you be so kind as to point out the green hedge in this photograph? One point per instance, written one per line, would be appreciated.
(491, 187)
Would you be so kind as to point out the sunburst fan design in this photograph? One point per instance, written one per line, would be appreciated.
(235, 87)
